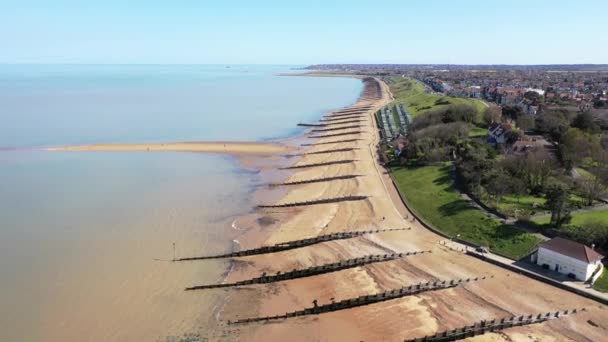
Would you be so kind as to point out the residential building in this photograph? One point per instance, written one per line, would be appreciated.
(568, 257)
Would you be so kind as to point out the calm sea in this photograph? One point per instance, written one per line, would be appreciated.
(80, 232)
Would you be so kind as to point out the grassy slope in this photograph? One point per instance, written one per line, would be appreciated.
(579, 218)
(418, 100)
(601, 284)
(478, 132)
(430, 193)
(531, 204)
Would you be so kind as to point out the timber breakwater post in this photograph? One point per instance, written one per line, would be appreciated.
(315, 180)
(364, 300)
(295, 244)
(356, 118)
(336, 134)
(346, 149)
(347, 161)
(314, 202)
(336, 128)
(482, 327)
(312, 271)
(333, 142)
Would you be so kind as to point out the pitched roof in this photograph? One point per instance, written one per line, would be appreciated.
(572, 249)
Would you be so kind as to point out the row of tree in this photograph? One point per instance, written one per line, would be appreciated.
(443, 134)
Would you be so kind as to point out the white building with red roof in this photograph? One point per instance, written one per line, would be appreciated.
(568, 257)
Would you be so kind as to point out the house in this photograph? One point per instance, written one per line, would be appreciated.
(568, 257)
(497, 133)
(532, 143)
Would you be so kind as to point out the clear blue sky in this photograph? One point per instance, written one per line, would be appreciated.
(304, 32)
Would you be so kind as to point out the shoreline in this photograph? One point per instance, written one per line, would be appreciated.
(508, 293)
(426, 313)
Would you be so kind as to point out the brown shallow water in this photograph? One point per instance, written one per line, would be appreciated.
(81, 234)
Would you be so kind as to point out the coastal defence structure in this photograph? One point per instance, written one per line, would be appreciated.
(346, 149)
(347, 161)
(333, 142)
(364, 300)
(337, 121)
(336, 134)
(314, 202)
(483, 327)
(315, 180)
(311, 271)
(294, 244)
(336, 128)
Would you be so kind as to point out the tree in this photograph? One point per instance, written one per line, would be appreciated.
(532, 96)
(600, 104)
(525, 122)
(555, 123)
(512, 112)
(591, 188)
(586, 122)
(492, 114)
(512, 136)
(499, 185)
(558, 202)
(591, 232)
(577, 145)
(534, 168)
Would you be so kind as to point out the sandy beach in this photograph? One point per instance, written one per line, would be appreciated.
(349, 151)
(414, 316)
(234, 148)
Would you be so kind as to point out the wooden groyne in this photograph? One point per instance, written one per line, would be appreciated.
(364, 300)
(316, 180)
(311, 271)
(315, 202)
(352, 109)
(345, 115)
(347, 149)
(336, 128)
(333, 142)
(294, 244)
(335, 123)
(311, 125)
(303, 166)
(354, 117)
(482, 327)
(335, 135)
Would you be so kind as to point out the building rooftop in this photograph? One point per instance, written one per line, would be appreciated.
(572, 249)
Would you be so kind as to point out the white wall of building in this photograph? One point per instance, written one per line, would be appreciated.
(565, 264)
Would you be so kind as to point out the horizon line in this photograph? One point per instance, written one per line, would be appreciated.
(313, 64)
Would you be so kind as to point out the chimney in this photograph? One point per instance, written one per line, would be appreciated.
(593, 246)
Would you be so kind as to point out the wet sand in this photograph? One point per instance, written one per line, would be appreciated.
(409, 317)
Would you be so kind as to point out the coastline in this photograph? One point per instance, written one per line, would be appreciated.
(409, 317)
(426, 313)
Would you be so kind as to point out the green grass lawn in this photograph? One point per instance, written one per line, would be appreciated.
(579, 218)
(601, 284)
(478, 132)
(511, 205)
(584, 172)
(430, 193)
(417, 100)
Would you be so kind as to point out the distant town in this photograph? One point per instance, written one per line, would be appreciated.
(534, 88)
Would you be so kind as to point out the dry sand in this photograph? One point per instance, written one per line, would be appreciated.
(415, 316)
(236, 148)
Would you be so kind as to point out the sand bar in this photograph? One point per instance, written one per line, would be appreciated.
(236, 148)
